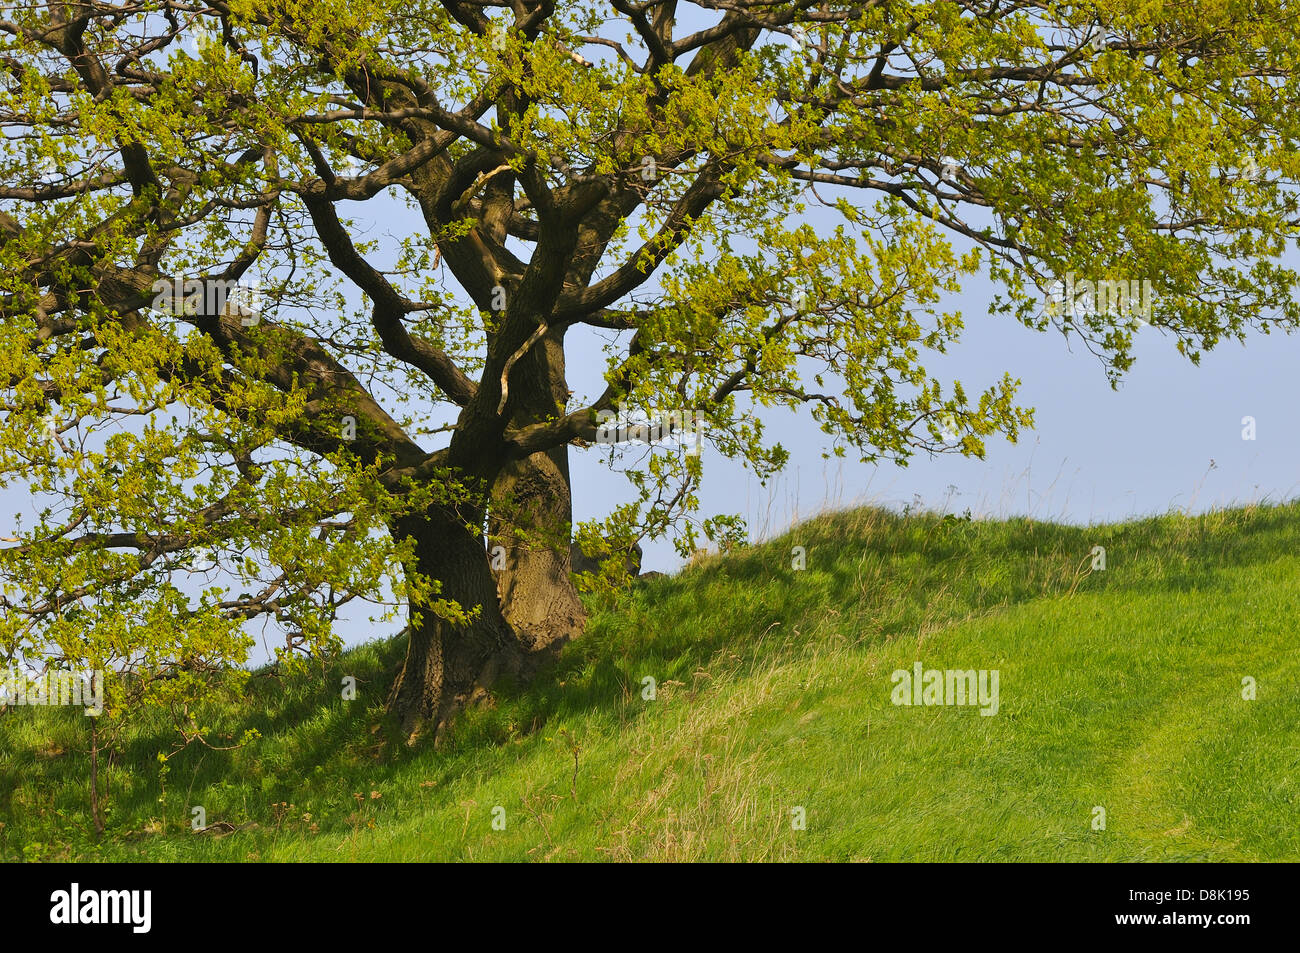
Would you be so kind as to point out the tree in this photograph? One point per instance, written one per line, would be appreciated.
(760, 204)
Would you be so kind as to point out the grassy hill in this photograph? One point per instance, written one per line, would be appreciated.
(1119, 689)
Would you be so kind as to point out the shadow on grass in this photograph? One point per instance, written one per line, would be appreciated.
(870, 574)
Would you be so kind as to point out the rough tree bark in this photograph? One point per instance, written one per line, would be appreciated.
(538, 597)
(532, 514)
(448, 665)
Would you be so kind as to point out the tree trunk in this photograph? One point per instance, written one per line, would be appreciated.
(532, 511)
(531, 521)
(449, 665)
(529, 607)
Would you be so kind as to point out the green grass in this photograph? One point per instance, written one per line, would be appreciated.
(1119, 689)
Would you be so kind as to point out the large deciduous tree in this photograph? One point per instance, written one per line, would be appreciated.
(746, 203)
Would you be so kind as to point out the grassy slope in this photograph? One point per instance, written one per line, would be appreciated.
(1119, 689)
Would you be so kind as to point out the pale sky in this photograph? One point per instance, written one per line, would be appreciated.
(1095, 454)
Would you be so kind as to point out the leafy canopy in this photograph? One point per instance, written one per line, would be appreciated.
(753, 204)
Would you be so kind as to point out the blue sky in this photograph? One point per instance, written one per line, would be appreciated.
(1169, 438)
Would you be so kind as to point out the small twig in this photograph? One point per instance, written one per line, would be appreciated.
(573, 745)
(523, 349)
(1079, 576)
(468, 195)
(538, 818)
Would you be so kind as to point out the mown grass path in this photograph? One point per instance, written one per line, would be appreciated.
(1119, 689)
